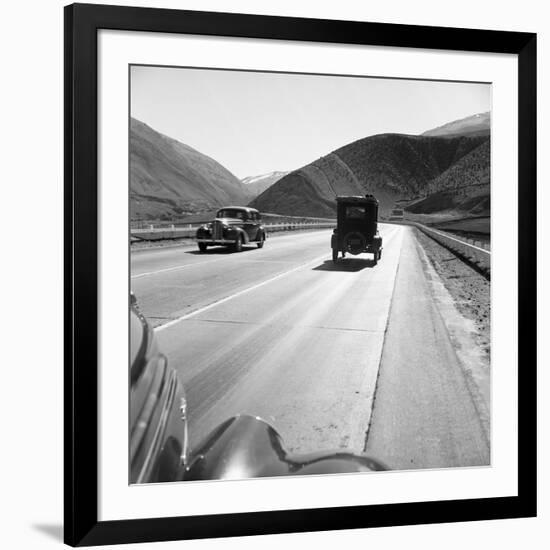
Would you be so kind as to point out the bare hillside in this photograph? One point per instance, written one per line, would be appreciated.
(394, 167)
(479, 124)
(464, 187)
(169, 178)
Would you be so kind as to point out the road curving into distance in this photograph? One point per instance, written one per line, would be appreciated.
(282, 333)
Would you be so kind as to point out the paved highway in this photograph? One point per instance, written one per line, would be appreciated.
(282, 333)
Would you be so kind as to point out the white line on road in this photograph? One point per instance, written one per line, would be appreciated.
(246, 290)
(240, 293)
(175, 268)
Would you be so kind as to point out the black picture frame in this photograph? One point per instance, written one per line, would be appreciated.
(81, 25)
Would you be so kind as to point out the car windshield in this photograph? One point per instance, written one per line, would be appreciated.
(355, 212)
(231, 213)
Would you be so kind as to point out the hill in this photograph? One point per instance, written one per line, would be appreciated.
(479, 124)
(464, 187)
(256, 185)
(394, 167)
(169, 179)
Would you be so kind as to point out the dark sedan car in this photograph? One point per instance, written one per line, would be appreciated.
(234, 226)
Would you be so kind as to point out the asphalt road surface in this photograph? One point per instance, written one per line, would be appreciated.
(284, 334)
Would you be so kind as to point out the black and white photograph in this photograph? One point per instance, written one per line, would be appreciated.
(274, 275)
(310, 274)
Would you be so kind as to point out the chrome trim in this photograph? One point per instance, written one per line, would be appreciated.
(183, 408)
(216, 241)
(185, 445)
(217, 229)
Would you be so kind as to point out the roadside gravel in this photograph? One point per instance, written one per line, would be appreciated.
(469, 289)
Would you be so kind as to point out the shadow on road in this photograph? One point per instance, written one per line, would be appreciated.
(347, 264)
(220, 250)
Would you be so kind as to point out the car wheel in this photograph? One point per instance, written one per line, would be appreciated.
(238, 246)
(334, 255)
(380, 254)
(260, 244)
(202, 247)
(375, 256)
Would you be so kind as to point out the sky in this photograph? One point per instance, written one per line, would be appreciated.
(256, 122)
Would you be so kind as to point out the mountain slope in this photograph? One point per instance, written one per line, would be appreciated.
(394, 167)
(256, 185)
(168, 178)
(479, 124)
(465, 186)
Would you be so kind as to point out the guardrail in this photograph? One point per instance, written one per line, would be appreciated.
(152, 233)
(475, 251)
(293, 226)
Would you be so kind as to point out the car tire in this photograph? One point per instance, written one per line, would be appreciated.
(238, 245)
(375, 258)
(260, 243)
(380, 254)
(202, 247)
(334, 255)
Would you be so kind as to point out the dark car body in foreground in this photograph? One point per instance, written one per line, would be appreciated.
(246, 446)
(241, 447)
(356, 227)
(234, 226)
(158, 426)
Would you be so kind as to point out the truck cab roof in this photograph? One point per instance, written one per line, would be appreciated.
(357, 199)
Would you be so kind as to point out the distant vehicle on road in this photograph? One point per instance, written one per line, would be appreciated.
(356, 227)
(234, 226)
(396, 215)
